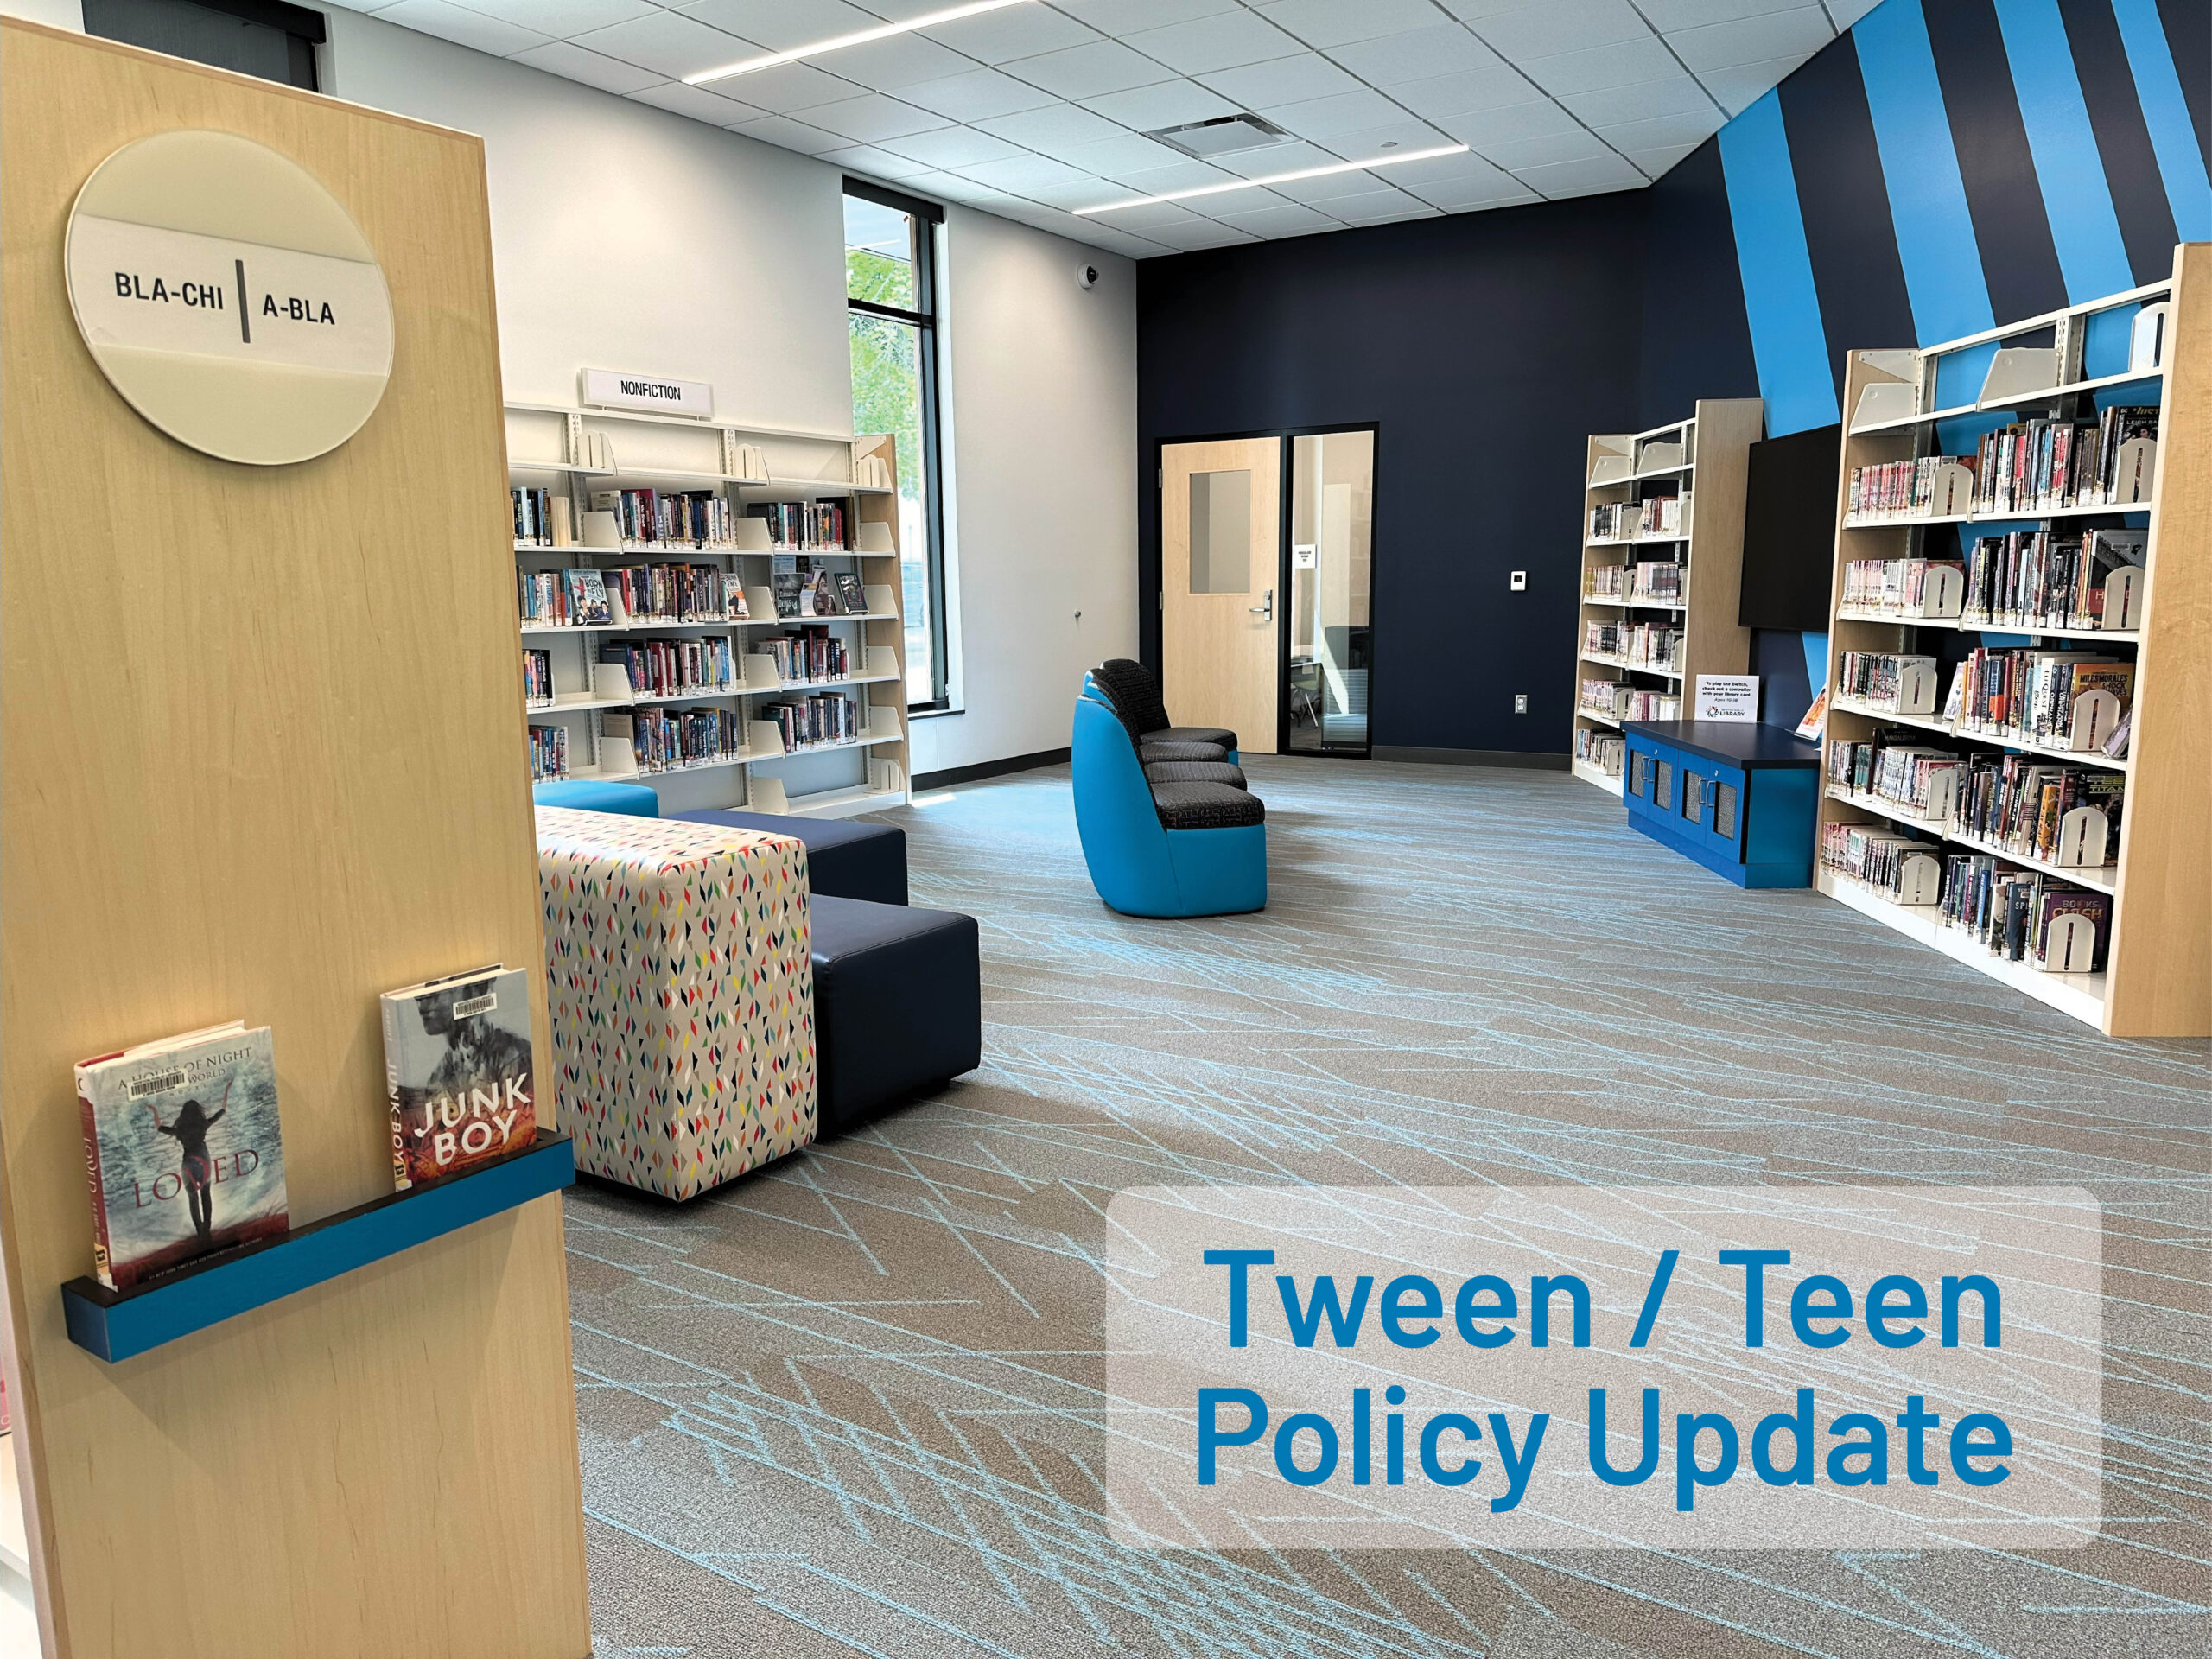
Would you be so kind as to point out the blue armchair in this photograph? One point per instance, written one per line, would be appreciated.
(1160, 845)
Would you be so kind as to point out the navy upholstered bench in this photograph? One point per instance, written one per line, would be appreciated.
(845, 858)
(898, 1005)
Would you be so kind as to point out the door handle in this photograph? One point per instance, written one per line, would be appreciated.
(1267, 609)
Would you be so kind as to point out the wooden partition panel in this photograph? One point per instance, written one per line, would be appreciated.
(263, 761)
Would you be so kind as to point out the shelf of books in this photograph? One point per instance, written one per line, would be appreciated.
(1662, 548)
(714, 609)
(2018, 756)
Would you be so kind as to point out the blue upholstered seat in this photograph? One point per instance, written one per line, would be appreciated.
(588, 795)
(1142, 867)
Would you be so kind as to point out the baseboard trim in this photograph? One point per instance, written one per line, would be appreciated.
(1524, 759)
(926, 781)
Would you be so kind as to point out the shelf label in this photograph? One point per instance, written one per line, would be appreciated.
(229, 298)
(1727, 696)
(609, 388)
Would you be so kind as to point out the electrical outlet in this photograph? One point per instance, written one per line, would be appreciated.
(1520, 702)
(1519, 584)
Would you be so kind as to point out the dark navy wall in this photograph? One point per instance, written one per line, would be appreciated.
(1944, 166)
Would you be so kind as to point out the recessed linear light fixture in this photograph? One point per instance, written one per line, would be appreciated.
(858, 38)
(1274, 178)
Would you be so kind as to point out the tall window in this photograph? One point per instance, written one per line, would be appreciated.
(267, 38)
(890, 304)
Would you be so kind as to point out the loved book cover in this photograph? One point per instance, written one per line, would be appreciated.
(457, 1068)
(182, 1150)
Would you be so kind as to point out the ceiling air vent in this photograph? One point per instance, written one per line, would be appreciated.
(1222, 136)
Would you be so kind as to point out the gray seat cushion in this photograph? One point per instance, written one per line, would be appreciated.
(1149, 753)
(1207, 806)
(898, 1005)
(1218, 735)
(846, 858)
(1194, 771)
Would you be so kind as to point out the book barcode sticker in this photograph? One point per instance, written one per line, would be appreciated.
(471, 1006)
(160, 1083)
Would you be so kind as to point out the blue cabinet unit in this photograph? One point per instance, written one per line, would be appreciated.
(1739, 798)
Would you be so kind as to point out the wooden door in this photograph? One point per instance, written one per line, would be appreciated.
(1221, 517)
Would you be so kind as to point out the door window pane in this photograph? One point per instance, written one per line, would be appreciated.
(1221, 532)
(1332, 566)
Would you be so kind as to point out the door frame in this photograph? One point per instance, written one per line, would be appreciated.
(1284, 471)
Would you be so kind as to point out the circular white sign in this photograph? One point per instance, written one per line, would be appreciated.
(228, 297)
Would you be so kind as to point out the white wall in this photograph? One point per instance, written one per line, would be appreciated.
(626, 237)
(61, 14)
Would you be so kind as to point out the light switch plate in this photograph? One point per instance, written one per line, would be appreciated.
(1520, 702)
(1520, 583)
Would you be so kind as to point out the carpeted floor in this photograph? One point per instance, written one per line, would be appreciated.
(850, 1404)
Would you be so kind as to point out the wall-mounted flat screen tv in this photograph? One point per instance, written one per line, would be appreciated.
(1790, 497)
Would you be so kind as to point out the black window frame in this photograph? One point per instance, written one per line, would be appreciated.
(304, 30)
(923, 319)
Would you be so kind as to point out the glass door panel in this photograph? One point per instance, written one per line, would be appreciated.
(1330, 647)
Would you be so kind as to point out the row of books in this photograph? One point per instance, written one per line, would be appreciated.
(1662, 515)
(670, 739)
(1608, 750)
(537, 675)
(809, 654)
(538, 512)
(2031, 579)
(2046, 464)
(816, 526)
(818, 593)
(569, 598)
(1605, 581)
(1659, 580)
(810, 722)
(1617, 700)
(2025, 916)
(184, 1146)
(2037, 696)
(2047, 811)
(675, 592)
(1914, 778)
(1889, 681)
(667, 518)
(549, 753)
(675, 668)
(1904, 588)
(1930, 486)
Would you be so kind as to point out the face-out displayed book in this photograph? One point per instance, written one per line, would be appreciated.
(457, 1069)
(182, 1151)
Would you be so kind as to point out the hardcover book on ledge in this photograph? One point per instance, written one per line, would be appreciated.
(457, 1068)
(182, 1150)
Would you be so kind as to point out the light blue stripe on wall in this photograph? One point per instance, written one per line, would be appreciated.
(2181, 163)
(1816, 660)
(1920, 168)
(2076, 194)
(1780, 301)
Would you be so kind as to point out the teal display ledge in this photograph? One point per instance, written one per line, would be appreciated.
(118, 1325)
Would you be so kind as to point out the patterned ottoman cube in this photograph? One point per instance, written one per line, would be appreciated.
(682, 992)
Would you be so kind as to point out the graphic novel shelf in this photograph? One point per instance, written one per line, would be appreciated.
(2017, 761)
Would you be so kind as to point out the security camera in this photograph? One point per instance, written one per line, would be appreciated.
(1086, 276)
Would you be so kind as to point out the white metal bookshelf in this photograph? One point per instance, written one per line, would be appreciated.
(573, 453)
(1704, 458)
(2157, 977)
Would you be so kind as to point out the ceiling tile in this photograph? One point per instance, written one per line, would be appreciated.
(1319, 118)
(1109, 158)
(873, 118)
(901, 61)
(1205, 233)
(1122, 242)
(1276, 158)
(1655, 163)
(1585, 178)
(1741, 87)
(560, 58)
(952, 147)
(1378, 207)
(560, 18)
(1018, 171)
(950, 187)
(1522, 154)
(1468, 170)
(1283, 81)
(464, 27)
(673, 44)
(1496, 87)
(1054, 127)
(1123, 18)
(1090, 71)
(1226, 41)
(698, 103)
(1331, 22)
(790, 87)
(877, 163)
(1419, 54)
(1086, 193)
(1279, 219)
(1177, 175)
(776, 25)
(1483, 128)
(1016, 32)
(1847, 12)
(1799, 33)
(1643, 101)
(975, 95)
(1152, 220)
(1596, 68)
(1459, 197)
(1666, 15)
(1168, 104)
(1661, 130)
(782, 130)
(1328, 187)
(1535, 31)
(1365, 143)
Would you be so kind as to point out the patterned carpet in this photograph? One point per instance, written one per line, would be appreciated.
(850, 1404)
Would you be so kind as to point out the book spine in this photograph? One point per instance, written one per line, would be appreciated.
(399, 1181)
(103, 1261)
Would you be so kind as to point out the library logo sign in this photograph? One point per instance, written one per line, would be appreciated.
(229, 298)
(1580, 1368)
